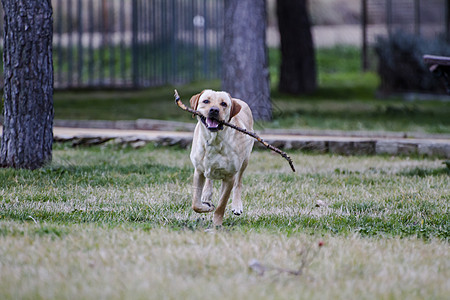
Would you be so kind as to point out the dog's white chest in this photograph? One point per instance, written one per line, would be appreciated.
(216, 159)
(219, 163)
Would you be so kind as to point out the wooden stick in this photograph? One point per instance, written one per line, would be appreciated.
(252, 134)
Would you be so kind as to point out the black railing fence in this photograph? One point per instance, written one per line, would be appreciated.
(429, 19)
(142, 43)
(135, 43)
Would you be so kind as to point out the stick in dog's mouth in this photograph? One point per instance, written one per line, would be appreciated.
(221, 123)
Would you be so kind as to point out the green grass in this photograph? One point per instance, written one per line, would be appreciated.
(150, 187)
(345, 100)
(113, 222)
(155, 103)
(110, 222)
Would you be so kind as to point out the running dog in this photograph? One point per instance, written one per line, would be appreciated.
(219, 153)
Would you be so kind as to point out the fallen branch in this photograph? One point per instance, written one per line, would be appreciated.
(252, 134)
(306, 258)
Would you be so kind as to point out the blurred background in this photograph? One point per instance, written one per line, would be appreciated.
(366, 51)
(143, 43)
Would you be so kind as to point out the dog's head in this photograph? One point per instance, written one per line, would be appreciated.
(215, 107)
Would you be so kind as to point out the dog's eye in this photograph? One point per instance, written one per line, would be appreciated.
(206, 101)
(224, 104)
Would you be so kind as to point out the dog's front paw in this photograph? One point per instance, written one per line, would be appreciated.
(237, 209)
(237, 212)
(205, 207)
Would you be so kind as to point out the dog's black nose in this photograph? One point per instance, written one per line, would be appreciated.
(214, 112)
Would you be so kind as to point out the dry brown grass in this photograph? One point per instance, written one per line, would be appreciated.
(91, 262)
(108, 223)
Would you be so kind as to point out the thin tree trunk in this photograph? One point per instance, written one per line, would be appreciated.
(298, 66)
(28, 84)
(245, 69)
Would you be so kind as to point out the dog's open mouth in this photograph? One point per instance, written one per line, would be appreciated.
(212, 124)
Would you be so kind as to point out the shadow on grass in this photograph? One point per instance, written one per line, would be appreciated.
(95, 175)
(424, 172)
(435, 225)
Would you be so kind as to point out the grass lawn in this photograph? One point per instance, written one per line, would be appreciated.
(116, 223)
(345, 100)
(110, 222)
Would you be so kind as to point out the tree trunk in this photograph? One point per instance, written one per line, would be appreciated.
(28, 84)
(245, 70)
(298, 67)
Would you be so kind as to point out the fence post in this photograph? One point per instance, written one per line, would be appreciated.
(134, 44)
(447, 20)
(80, 43)
(417, 17)
(389, 17)
(205, 42)
(91, 43)
(59, 51)
(364, 63)
(174, 50)
(122, 40)
(69, 45)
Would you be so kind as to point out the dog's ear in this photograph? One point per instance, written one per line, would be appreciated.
(194, 100)
(235, 108)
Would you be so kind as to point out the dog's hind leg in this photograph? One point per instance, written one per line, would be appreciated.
(236, 205)
(227, 186)
(197, 204)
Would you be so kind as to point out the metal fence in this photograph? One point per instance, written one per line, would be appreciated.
(141, 43)
(426, 18)
(135, 43)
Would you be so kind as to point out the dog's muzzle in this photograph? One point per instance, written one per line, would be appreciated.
(212, 122)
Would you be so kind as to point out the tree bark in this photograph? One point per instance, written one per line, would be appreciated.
(28, 84)
(298, 66)
(245, 67)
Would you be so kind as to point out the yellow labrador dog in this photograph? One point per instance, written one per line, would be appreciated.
(218, 152)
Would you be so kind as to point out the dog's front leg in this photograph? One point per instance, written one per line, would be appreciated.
(227, 186)
(197, 204)
(207, 193)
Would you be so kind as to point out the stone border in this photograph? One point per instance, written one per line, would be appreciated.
(163, 125)
(348, 146)
(319, 144)
(140, 132)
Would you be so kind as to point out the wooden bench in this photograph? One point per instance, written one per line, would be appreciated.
(440, 66)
